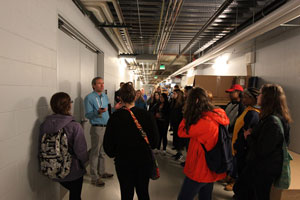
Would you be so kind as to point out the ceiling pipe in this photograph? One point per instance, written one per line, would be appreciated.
(99, 15)
(167, 29)
(172, 18)
(283, 14)
(164, 26)
(121, 19)
(172, 26)
(108, 17)
(204, 27)
(159, 26)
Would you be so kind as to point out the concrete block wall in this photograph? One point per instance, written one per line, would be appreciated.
(28, 78)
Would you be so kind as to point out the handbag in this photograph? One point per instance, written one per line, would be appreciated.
(154, 173)
(284, 180)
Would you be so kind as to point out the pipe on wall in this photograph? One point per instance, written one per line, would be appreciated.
(109, 18)
(97, 12)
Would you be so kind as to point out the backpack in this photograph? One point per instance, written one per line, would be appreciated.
(55, 159)
(219, 158)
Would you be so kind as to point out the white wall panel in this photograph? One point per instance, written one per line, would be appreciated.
(7, 125)
(19, 48)
(8, 173)
(235, 67)
(49, 77)
(25, 120)
(19, 73)
(25, 20)
(14, 98)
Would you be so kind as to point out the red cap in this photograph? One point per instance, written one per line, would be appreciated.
(235, 87)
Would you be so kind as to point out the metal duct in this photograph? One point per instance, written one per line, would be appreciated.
(99, 15)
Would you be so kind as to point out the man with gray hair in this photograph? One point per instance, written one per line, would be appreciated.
(96, 110)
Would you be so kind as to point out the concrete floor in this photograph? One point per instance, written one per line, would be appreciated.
(165, 188)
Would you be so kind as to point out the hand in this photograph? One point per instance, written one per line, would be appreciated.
(102, 110)
(247, 132)
(119, 105)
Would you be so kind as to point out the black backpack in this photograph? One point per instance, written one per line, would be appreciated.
(219, 158)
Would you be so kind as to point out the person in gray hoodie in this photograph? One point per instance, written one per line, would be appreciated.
(62, 118)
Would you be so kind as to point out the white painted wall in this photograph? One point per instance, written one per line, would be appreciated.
(235, 67)
(28, 78)
(278, 61)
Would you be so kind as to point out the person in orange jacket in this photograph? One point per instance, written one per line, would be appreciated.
(201, 124)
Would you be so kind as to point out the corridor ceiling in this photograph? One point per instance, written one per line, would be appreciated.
(171, 32)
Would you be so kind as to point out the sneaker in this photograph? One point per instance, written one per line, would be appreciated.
(98, 182)
(229, 186)
(182, 164)
(163, 152)
(106, 175)
(178, 156)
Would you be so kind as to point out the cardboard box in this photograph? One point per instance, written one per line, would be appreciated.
(218, 85)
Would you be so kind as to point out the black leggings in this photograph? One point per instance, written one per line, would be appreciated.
(74, 187)
(131, 177)
(163, 131)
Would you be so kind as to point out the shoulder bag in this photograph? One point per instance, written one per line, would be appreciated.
(284, 180)
(154, 173)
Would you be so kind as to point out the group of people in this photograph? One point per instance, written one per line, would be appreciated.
(257, 138)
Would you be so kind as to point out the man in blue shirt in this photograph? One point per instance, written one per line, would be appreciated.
(96, 110)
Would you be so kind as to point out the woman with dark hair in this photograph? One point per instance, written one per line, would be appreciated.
(154, 101)
(176, 114)
(139, 100)
(265, 155)
(161, 115)
(200, 123)
(124, 142)
(62, 118)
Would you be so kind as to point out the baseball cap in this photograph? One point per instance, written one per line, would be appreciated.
(235, 87)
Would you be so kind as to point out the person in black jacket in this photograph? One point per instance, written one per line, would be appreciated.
(265, 155)
(154, 102)
(124, 142)
(176, 115)
(161, 115)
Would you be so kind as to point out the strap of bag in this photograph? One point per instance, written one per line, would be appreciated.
(138, 125)
(281, 128)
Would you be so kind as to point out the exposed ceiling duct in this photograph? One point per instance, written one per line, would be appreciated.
(102, 12)
(175, 31)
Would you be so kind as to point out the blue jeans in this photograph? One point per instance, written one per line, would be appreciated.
(190, 189)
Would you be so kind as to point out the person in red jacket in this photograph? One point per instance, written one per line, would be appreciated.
(201, 124)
